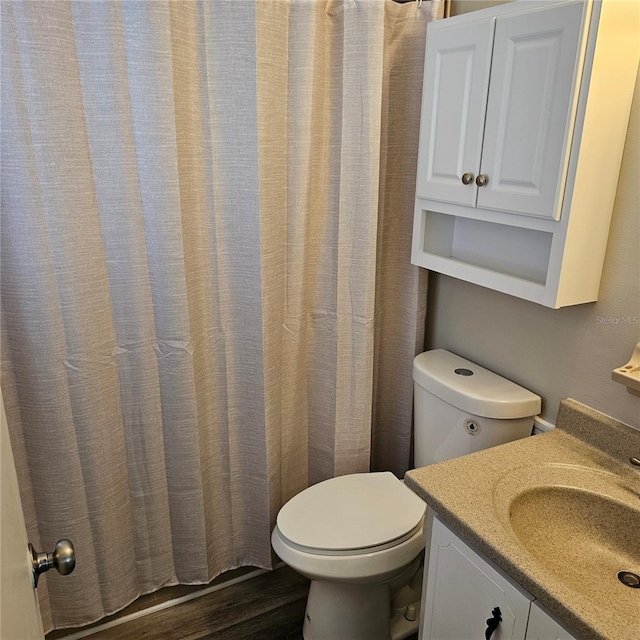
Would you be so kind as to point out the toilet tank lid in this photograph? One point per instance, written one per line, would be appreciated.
(472, 388)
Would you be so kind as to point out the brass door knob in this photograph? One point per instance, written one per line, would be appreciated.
(467, 178)
(482, 180)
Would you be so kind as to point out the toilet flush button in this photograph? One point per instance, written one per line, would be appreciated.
(472, 427)
(463, 372)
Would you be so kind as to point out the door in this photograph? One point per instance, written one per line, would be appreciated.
(454, 99)
(464, 592)
(543, 627)
(535, 76)
(19, 613)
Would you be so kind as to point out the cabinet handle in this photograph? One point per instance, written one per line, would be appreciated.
(492, 623)
(482, 180)
(467, 178)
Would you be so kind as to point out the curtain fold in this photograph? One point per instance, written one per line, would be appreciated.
(206, 221)
(401, 289)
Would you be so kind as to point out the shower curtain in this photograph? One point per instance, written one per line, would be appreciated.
(206, 221)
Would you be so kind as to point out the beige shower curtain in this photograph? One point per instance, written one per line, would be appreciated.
(206, 220)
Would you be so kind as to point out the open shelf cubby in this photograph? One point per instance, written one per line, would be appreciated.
(512, 251)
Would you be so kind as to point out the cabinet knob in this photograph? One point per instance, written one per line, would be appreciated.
(467, 178)
(482, 180)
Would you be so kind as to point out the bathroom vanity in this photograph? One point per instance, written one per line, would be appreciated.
(541, 533)
(466, 592)
(516, 178)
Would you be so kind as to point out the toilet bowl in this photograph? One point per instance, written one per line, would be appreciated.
(352, 536)
(359, 538)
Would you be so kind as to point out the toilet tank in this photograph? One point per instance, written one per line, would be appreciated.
(460, 407)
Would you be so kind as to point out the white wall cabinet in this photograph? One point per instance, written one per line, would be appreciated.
(529, 123)
(516, 181)
(463, 589)
(452, 119)
(521, 151)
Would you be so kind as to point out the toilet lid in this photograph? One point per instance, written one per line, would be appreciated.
(351, 512)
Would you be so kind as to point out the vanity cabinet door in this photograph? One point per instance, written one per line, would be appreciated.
(535, 77)
(456, 79)
(463, 592)
(543, 627)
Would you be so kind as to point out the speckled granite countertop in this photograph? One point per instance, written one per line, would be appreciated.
(471, 495)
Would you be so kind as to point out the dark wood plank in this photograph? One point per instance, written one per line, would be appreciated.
(216, 612)
(283, 623)
(152, 599)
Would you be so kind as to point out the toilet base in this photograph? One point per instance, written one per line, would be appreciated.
(402, 628)
(347, 612)
(343, 611)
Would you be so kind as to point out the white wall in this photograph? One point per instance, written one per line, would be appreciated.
(560, 353)
(463, 6)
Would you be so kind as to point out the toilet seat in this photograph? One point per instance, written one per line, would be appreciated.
(351, 515)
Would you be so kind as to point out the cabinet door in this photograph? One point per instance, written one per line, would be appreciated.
(456, 80)
(463, 589)
(534, 81)
(542, 627)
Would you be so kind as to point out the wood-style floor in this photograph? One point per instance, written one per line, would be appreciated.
(268, 607)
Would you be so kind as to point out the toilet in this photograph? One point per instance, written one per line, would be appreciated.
(359, 538)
